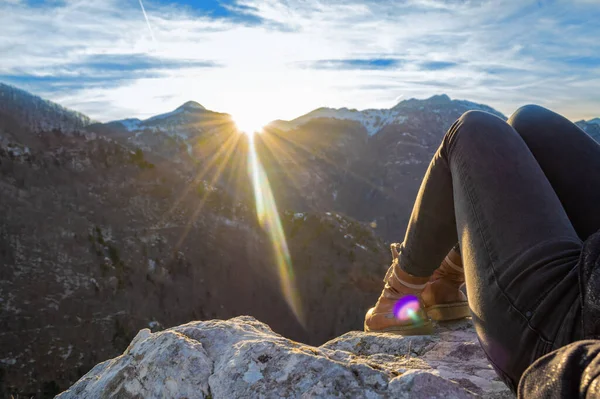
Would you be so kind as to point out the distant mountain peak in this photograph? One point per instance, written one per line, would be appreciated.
(191, 105)
(374, 120)
(439, 98)
(433, 100)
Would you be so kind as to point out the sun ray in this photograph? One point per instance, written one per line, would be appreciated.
(224, 150)
(268, 217)
(304, 149)
(287, 154)
(248, 123)
(297, 154)
(287, 161)
(200, 205)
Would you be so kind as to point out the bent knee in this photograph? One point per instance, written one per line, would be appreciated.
(529, 115)
(474, 123)
(478, 118)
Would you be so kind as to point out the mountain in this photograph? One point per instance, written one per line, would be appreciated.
(171, 135)
(374, 120)
(107, 228)
(98, 240)
(591, 127)
(21, 110)
(366, 164)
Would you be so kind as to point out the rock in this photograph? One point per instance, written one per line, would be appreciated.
(418, 384)
(243, 357)
(161, 365)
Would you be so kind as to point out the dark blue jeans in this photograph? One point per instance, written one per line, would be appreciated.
(519, 198)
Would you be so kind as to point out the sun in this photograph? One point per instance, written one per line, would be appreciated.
(248, 124)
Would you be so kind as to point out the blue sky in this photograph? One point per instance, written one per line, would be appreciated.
(268, 59)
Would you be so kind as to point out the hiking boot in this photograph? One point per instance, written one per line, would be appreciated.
(442, 296)
(399, 309)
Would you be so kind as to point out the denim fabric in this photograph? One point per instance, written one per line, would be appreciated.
(573, 371)
(519, 198)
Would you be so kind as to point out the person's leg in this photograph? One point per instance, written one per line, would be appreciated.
(570, 160)
(519, 249)
(518, 246)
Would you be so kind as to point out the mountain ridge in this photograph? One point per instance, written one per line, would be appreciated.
(6, 89)
(23, 104)
(366, 148)
(105, 231)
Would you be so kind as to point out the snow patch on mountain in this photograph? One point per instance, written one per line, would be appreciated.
(165, 115)
(374, 120)
(174, 118)
(192, 105)
(171, 135)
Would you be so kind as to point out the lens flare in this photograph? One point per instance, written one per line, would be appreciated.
(268, 217)
(407, 308)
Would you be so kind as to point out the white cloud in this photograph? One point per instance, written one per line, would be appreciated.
(505, 54)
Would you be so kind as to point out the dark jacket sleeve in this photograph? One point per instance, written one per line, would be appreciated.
(572, 371)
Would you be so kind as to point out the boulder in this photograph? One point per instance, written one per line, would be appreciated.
(242, 358)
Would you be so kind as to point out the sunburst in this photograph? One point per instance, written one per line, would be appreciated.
(248, 123)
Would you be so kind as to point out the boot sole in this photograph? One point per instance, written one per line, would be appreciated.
(422, 329)
(451, 311)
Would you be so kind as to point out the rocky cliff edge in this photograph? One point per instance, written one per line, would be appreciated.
(244, 358)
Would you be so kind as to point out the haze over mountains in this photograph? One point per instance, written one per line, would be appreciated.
(106, 228)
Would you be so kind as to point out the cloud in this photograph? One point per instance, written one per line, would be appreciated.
(437, 65)
(48, 84)
(136, 62)
(281, 58)
(100, 71)
(586, 61)
(226, 10)
(356, 63)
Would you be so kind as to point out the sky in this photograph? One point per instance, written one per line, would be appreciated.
(261, 60)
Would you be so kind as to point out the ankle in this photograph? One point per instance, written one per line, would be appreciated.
(403, 283)
(451, 269)
(454, 260)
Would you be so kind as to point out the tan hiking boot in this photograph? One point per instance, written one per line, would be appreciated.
(442, 296)
(399, 309)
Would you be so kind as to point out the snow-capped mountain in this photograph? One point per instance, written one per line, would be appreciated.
(169, 122)
(36, 114)
(591, 127)
(371, 119)
(341, 159)
(595, 121)
(367, 164)
(171, 135)
(99, 240)
(374, 120)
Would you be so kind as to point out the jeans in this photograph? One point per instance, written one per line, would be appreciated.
(519, 198)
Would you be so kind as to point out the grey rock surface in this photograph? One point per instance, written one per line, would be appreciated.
(242, 357)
